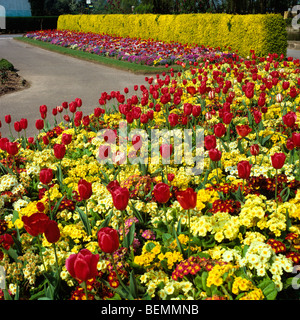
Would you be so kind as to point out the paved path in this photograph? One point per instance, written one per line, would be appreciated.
(55, 78)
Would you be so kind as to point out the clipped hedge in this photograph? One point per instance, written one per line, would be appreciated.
(262, 33)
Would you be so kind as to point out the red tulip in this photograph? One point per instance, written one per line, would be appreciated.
(161, 192)
(72, 106)
(215, 154)
(219, 130)
(187, 108)
(66, 138)
(59, 151)
(52, 232)
(24, 123)
(210, 142)
(196, 111)
(289, 119)
(6, 241)
(97, 112)
(43, 109)
(45, 140)
(17, 126)
(285, 85)
(243, 130)
(108, 240)
(12, 148)
(85, 189)
(187, 198)
(296, 139)
(83, 265)
(8, 119)
(86, 121)
(254, 149)
(78, 102)
(113, 185)
(3, 143)
(290, 144)
(166, 150)
(144, 118)
(36, 223)
(120, 198)
(39, 124)
(137, 142)
(227, 117)
(46, 175)
(173, 119)
(244, 169)
(278, 160)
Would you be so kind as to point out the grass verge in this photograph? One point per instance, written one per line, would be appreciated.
(110, 62)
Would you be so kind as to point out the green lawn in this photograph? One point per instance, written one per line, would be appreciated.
(124, 65)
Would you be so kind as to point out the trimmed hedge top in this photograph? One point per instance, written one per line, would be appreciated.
(263, 33)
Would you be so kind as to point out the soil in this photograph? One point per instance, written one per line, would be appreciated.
(10, 81)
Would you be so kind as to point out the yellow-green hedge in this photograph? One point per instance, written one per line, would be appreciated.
(263, 33)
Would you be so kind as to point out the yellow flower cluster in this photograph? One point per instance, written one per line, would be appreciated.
(241, 284)
(150, 251)
(215, 276)
(171, 258)
(253, 211)
(205, 196)
(154, 280)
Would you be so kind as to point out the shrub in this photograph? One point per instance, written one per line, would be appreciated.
(6, 65)
(263, 33)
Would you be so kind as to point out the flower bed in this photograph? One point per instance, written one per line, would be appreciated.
(146, 52)
(80, 220)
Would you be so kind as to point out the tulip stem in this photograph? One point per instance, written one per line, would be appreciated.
(189, 226)
(299, 162)
(55, 254)
(89, 230)
(40, 250)
(123, 226)
(85, 290)
(276, 183)
(49, 200)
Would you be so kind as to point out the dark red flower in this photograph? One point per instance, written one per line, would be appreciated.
(85, 189)
(52, 232)
(244, 169)
(161, 192)
(187, 198)
(243, 130)
(46, 175)
(108, 240)
(59, 151)
(36, 223)
(83, 265)
(278, 160)
(120, 198)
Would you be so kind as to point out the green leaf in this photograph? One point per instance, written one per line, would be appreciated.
(105, 223)
(150, 246)
(268, 288)
(85, 220)
(133, 285)
(128, 240)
